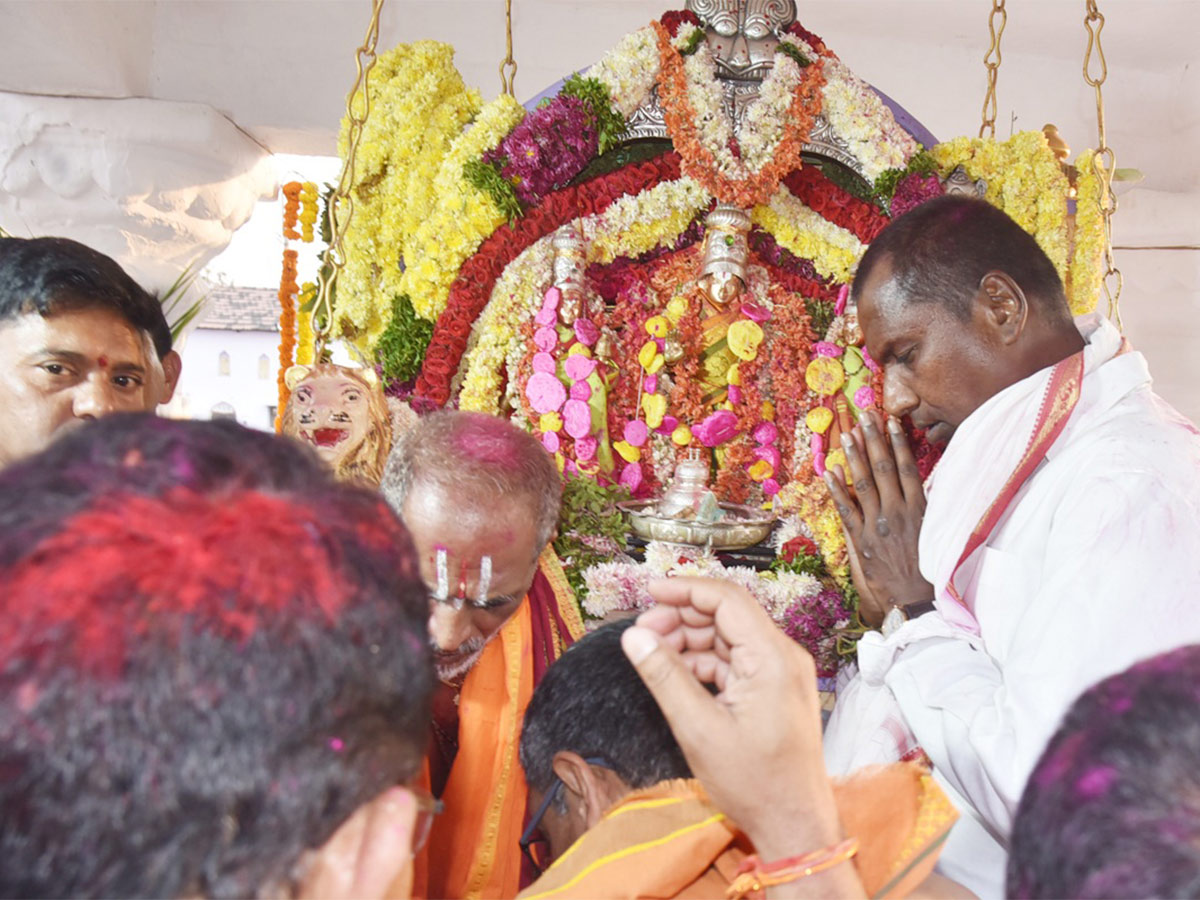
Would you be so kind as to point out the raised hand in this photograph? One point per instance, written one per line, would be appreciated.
(756, 744)
(883, 519)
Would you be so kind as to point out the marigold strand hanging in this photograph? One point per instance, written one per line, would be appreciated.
(288, 289)
(291, 210)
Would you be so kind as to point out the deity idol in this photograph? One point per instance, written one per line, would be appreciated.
(341, 413)
(722, 281)
(742, 35)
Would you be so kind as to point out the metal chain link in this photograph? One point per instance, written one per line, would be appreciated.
(508, 66)
(1104, 161)
(341, 202)
(993, 68)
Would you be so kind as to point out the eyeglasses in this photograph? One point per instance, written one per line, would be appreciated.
(428, 808)
(534, 845)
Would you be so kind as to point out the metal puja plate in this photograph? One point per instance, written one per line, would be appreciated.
(742, 526)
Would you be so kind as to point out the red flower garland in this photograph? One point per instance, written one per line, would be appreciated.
(472, 288)
(835, 204)
(793, 281)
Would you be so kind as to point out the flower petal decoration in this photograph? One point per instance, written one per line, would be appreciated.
(577, 419)
(819, 419)
(744, 337)
(579, 367)
(636, 432)
(545, 392)
(825, 376)
(717, 428)
(586, 331)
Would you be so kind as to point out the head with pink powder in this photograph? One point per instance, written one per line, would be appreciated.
(1113, 807)
(481, 498)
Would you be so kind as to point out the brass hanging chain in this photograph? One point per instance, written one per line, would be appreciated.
(1104, 160)
(508, 66)
(341, 202)
(991, 60)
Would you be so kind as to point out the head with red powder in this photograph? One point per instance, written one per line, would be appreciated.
(216, 672)
(481, 498)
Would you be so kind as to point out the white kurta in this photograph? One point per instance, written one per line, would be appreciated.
(1095, 565)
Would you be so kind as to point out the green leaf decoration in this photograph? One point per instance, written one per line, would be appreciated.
(589, 511)
(609, 123)
(794, 52)
(402, 346)
(486, 177)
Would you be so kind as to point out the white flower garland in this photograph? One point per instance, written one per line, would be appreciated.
(629, 70)
(516, 296)
(857, 115)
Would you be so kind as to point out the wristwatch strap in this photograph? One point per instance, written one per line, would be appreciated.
(898, 615)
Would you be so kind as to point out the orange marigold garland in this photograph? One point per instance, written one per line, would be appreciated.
(288, 289)
(698, 161)
(291, 210)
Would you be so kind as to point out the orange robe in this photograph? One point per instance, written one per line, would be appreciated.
(670, 841)
(473, 848)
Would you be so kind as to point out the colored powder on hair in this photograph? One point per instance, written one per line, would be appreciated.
(1095, 782)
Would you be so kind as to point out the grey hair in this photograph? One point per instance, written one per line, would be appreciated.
(475, 456)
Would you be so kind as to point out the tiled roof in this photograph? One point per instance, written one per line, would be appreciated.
(240, 309)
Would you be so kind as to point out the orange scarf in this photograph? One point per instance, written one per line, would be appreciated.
(473, 849)
(670, 841)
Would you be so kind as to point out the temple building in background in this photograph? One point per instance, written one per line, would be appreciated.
(230, 360)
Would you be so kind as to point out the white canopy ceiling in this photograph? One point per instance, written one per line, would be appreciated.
(280, 69)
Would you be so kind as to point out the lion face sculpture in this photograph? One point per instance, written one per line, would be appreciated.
(342, 414)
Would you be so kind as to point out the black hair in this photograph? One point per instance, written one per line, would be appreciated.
(51, 275)
(940, 251)
(1113, 807)
(593, 702)
(213, 655)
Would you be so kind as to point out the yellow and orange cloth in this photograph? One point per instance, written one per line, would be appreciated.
(670, 841)
(473, 849)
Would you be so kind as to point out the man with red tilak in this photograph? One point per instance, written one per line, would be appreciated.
(79, 339)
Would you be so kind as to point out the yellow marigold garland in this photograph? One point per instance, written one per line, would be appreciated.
(833, 250)
(308, 211)
(305, 337)
(462, 217)
(1087, 262)
(419, 105)
(1024, 179)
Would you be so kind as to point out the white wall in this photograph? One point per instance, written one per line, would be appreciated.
(202, 387)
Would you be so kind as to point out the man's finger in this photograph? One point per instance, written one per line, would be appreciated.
(882, 463)
(737, 616)
(906, 464)
(861, 476)
(847, 508)
(689, 709)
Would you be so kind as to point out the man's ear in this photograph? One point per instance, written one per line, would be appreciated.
(172, 365)
(368, 856)
(1003, 305)
(589, 793)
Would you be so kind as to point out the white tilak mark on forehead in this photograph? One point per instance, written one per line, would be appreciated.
(485, 579)
(442, 567)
